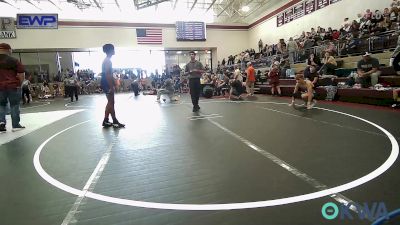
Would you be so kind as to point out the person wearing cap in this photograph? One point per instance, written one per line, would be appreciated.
(368, 70)
(251, 79)
(12, 74)
(108, 85)
(194, 69)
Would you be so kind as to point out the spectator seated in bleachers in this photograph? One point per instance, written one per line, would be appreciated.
(223, 85)
(394, 12)
(329, 65)
(313, 60)
(312, 74)
(368, 14)
(346, 25)
(353, 37)
(368, 71)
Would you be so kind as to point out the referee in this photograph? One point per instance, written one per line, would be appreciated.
(194, 69)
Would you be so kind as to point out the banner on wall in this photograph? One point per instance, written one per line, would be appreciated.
(322, 4)
(288, 15)
(334, 1)
(298, 11)
(7, 28)
(280, 20)
(309, 6)
(37, 21)
(304, 8)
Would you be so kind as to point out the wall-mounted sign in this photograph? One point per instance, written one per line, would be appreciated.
(304, 8)
(7, 28)
(309, 6)
(322, 4)
(289, 15)
(190, 31)
(37, 21)
(280, 19)
(298, 11)
(333, 1)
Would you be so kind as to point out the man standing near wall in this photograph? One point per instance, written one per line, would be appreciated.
(12, 74)
(194, 69)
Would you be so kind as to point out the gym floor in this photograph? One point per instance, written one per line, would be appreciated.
(244, 163)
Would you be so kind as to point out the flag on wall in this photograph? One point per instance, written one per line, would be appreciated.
(149, 36)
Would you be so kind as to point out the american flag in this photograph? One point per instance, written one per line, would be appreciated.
(149, 36)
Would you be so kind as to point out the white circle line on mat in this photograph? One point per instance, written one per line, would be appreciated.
(227, 206)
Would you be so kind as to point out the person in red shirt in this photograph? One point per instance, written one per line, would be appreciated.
(335, 35)
(274, 79)
(12, 74)
(251, 79)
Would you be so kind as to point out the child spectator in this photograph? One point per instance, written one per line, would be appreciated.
(274, 80)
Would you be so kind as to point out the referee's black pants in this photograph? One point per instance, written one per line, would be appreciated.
(195, 89)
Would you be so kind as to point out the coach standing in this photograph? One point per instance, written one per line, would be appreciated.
(194, 69)
(12, 74)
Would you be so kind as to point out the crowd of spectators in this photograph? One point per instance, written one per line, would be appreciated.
(344, 40)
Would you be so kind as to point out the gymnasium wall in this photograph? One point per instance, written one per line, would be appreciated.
(224, 41)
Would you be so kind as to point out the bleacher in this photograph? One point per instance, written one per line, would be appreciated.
(388, 78)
